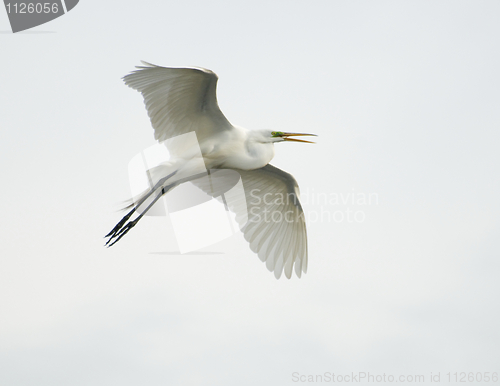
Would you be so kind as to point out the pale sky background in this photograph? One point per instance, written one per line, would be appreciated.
(405, 98)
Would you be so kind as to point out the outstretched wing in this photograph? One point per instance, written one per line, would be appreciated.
(179, 100)
(270, 216)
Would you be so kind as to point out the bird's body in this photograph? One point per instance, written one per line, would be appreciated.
(181, 101)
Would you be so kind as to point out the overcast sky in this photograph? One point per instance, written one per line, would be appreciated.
(404, 96)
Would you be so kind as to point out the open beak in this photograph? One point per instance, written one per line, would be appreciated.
(286, 136)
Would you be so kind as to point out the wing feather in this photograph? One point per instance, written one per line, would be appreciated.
(269, 192)
(179, 100)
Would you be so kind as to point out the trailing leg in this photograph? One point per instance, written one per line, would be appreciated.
(119, 229)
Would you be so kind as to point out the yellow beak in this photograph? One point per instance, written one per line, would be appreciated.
(286, 136)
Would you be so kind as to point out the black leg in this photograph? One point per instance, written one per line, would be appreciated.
(120, 229)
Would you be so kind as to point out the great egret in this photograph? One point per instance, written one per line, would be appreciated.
(183, 100)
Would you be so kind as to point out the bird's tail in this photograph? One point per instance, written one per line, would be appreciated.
(128, 204)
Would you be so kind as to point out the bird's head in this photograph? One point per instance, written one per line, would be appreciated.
(280, 136)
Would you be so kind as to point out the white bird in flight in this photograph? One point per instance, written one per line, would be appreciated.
(183, 100)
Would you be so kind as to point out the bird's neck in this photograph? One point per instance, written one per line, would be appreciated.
(248, 151)
(259, 154)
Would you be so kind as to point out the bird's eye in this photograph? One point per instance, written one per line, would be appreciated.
(276, 133)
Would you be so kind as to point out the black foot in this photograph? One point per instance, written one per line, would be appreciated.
(122, 231)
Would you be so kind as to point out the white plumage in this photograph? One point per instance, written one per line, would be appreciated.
(183, 100)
